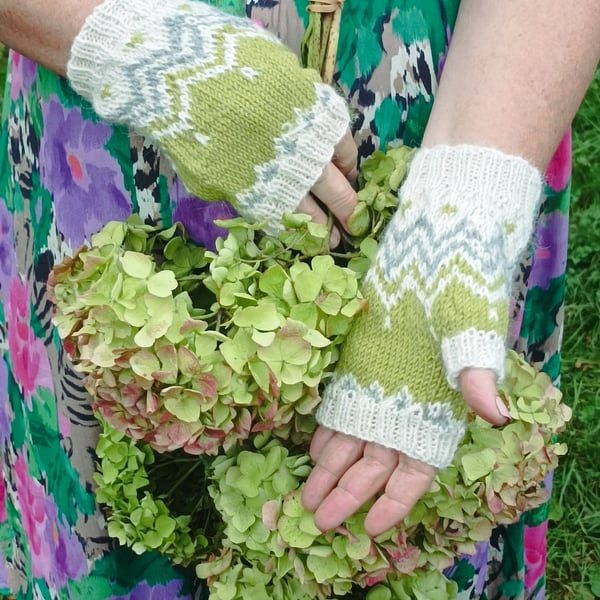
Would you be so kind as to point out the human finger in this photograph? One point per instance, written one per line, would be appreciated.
(335, 192)
(310, 206)
(406, 485)
(478, 387)
(360, 482)
(337, 455)
(345, 156)
(319, 441)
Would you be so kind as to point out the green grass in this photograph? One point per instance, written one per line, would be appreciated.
(574, 535)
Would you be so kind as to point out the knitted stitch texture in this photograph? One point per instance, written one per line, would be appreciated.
(438, 301)
(226, 102)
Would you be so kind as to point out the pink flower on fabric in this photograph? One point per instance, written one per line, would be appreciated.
(31, 367)
(30, 495)
(559, 169)
(22, 75)
(535, 554)
(56, 554)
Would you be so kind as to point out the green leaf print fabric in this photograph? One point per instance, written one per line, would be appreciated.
(64, 173)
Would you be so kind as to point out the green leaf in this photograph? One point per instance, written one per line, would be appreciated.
(478, 465)
(307, 283)
(184, 407)
(359, 221)
(316, 339)
(360, 548)
(153, 330)
(137, 265)
(260, 374)
(323, 569)
(305, 313)
(263, 317)
(369, 248)
(243, 519)
(165, 526)
(162, 284)
(272, 280)
(239, 350)
(291, 350)
(144, 363)
(292, 535)
(292, 506)
(330, 303)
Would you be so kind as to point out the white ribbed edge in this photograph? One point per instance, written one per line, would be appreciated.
(301, 154)
(427, 432)
(473, 349)
(108, 27)
(491, 187)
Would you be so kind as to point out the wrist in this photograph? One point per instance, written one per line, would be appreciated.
(499, 194)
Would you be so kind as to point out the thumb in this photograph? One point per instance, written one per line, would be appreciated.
(478, 387)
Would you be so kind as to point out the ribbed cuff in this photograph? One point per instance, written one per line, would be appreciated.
(301, 154)
(473, 349)
(428, 432)
(106, 30)
(495, 189)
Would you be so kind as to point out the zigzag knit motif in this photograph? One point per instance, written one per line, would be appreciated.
(438, 301)
(226, 102)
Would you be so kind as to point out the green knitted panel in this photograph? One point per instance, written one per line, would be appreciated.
(384, 356)
(258, 62)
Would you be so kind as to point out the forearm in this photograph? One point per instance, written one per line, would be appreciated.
(43, 30)
(515, 75)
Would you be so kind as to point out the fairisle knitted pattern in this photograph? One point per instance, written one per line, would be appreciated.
(438, 301)
(225, 101)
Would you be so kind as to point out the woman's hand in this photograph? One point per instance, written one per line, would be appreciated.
(333, 189)
(348, 471)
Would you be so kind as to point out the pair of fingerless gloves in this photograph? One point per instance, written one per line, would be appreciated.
(239, 119)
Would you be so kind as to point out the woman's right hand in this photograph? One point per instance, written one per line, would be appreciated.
(333, 189)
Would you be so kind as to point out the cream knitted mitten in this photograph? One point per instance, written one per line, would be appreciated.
(226, 102)
(438, 296)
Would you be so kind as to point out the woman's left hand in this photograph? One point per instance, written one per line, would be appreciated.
(348, 471)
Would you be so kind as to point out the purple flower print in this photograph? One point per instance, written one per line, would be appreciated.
(4, 583)
(198, 216)
(22, 75)
(479, 561)
(550, 251)
(143, 591)
(7, 252)
(69, 561)
(84, 179)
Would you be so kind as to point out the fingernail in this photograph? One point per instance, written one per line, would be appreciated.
(502, 408)
(334, 238)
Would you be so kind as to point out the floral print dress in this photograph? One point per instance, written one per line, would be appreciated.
(64, 173)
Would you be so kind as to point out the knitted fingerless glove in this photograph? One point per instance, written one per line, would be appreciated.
(226, 102)
(438, 296)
